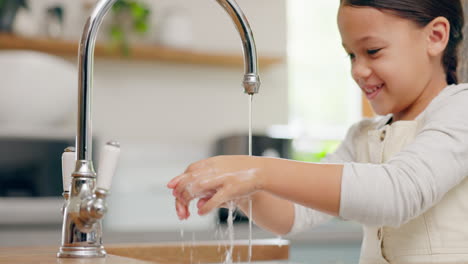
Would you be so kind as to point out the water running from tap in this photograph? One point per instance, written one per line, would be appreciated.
(230, 220)
(250, 124)
(250, 200)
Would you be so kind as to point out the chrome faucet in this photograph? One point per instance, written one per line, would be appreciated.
(84, 197)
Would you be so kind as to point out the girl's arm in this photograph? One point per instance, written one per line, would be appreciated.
(272, 212)
(269, 212)
(278, 215)
(226, 178)
(282, 216)
(313, 185)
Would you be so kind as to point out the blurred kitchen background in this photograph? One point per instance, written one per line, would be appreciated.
(167, 86)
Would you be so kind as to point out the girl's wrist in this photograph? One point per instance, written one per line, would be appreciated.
(261, 177)
(243, 203)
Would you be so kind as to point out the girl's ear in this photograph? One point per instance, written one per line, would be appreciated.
(438, 35)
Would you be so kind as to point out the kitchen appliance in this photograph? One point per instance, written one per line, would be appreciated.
(261, 146)
(30, 180)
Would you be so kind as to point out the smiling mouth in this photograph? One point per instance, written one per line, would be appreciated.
(374, 89)
(371, 92)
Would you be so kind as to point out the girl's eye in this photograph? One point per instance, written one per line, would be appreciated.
(373, 51)
(351, 56)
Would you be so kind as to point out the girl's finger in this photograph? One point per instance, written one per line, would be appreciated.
(217, 200)
(224, 205)
(186, 195)
(199, 165)
(203, 201)
(179, 210)
(188, 187)
(182, 210)
(189, 194)
(173, 183)
(182, 184)
(203, 184)
(211, 183)
(205, 198)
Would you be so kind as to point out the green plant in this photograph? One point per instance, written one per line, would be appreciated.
(128, 16)
(327, 146)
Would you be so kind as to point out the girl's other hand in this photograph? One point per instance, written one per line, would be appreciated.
(216, 181)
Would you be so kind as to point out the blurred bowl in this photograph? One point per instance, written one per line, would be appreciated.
(37, 89)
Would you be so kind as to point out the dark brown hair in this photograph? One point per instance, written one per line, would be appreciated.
(422, 12)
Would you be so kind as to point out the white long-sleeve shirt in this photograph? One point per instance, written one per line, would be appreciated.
(413, 180)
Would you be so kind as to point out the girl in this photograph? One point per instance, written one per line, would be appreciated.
(402, 175)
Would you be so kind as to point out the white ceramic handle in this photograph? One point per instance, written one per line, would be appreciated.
(107, 165)
(68, 166)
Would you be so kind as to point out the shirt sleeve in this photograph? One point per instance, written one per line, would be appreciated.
(417, 177)
(305, 217)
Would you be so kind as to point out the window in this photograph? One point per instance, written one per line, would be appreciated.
(324, 100)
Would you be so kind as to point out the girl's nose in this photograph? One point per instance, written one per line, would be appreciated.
(360, 70)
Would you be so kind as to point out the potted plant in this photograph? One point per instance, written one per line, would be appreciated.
(129, 17)
(8, 9)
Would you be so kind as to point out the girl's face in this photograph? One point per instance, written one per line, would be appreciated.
(389, 58)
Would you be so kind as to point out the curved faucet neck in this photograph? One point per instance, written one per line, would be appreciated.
(245, 32)
(251, 81)
(85, 78)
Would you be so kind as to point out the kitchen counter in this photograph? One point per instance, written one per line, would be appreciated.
(333, 232)
(336, 242)
(267, 251)
(47, 255)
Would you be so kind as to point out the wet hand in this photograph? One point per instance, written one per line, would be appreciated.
(216, 181)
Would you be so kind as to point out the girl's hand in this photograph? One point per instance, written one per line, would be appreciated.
(216, 181)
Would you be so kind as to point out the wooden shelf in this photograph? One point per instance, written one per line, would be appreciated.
(138, 52)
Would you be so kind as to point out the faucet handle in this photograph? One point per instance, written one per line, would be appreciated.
(68, 166)
(108, 164)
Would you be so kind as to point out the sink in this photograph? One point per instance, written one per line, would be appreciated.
(266, 251)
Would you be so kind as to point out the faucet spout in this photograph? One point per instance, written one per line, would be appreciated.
(85, 207)
(251, 80)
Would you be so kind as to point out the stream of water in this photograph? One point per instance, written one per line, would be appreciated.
(230, 220)
(232, 207)
(250, 200)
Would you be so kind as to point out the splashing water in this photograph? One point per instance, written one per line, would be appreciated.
(182, 236)
(230, 222)
(191, 247)
(279, 241)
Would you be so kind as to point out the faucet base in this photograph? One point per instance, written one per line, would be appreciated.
(81, 252)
